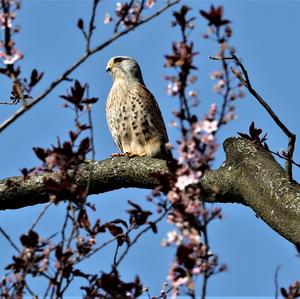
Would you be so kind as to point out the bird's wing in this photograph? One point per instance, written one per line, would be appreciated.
(153, 115)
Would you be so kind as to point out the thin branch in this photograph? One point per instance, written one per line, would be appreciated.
(206, 272)
(91, 26)
(284, 158)
(9, 239)
(9, 103)
(12, 73)
(117, 25)
(276, 281)
(69, 280)
(227, 80)
(90, 122)
(102, 246)
(81, 60)
(116, 255)
(247, 83)
(30, 291)
(291, 136)
(163, 296)
(139, 235)
(45, 208)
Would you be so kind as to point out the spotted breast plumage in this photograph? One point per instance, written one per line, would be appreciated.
(134, 118)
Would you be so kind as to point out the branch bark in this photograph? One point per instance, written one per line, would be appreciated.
(249, 176)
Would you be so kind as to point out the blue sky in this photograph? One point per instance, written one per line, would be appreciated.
(266, 36)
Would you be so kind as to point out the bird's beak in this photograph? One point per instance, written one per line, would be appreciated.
(109, 66)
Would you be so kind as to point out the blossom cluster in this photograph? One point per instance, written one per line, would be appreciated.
(197, 147)
(9, 54)
(128, 13)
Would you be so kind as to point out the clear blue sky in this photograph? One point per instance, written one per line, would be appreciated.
(266, 35)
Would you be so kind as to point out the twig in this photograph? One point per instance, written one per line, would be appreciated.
(287, 132)
(117, 262)
(30, 291)
(69, 280)
(140, 10)
(91, 25)
(116, 255)
(82, 59)
(205, 274)
(117, 25)
(9, 239)
(165, 293)
(291, 136)
(284, 158)
(102, 246)
(63, 236)
(17, 87)
(90, 121)
(227, 83)
(8, 103)
(45, 208)
(276, 281)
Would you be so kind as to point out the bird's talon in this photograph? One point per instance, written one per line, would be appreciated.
(127, 154)
(117, 155)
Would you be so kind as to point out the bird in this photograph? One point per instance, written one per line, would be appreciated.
(132, 113)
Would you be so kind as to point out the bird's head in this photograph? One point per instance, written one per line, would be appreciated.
(126, 68)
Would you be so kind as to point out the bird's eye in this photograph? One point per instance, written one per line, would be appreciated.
(118, 59)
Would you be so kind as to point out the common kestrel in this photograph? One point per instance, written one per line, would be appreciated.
(132, 113)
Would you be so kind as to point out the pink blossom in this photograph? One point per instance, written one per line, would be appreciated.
(182, 281)
(172, 238)
(118, 6)
(193, 93)
(11, 59)
(197, 270)
(129, 295)
(212, 110)
(150, 3)
(216, 75)
(173, 196)
(218, 87)
(208, 139)
(51, 160)
(192, 79)
(193, 207)
(173, 124)
(191, 25)
(178, 281)
(185, 180)
(206, 126)
(107, 18)
(172, 89)
(2, 21)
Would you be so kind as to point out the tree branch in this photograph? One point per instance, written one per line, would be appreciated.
(80, 61)
(247, 83)
(291, 136)
(250, 176)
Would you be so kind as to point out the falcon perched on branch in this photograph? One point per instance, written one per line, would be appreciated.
(132, 113)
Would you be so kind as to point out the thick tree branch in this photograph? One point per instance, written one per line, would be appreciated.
(250, 176)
